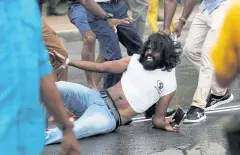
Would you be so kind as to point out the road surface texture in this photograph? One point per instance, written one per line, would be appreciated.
(139, 138)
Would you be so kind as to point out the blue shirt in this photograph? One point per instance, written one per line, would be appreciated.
(210, 5)
(23, 62)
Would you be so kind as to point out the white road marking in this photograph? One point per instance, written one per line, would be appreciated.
(221, 108)
(215, 110)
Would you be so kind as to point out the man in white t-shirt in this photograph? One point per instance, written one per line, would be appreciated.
(148, 78)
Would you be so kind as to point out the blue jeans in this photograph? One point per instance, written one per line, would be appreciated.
(93, 115)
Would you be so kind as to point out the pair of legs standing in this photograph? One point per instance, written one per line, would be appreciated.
(92, 27)
(78, 16)
(201, 38)
(54, 44)
(109, 39)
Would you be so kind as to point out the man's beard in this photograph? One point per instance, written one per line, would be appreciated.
(148, 62)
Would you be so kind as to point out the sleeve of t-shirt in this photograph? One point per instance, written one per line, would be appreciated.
(224, 56)
(44, 64)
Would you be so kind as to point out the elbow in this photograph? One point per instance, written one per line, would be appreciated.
(154, 123)
(158, 123)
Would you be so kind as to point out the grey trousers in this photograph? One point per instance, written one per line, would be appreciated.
(139, 10)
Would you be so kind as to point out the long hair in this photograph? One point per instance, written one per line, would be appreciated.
(164, 45)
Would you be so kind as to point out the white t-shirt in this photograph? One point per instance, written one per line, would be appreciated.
(144, 88)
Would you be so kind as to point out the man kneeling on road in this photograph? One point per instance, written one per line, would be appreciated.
(148, 78)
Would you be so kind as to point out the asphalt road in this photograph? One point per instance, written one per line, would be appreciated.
(140, 138)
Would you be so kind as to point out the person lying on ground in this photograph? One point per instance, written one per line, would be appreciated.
(148, 78)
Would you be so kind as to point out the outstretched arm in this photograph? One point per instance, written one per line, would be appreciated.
(115, 66)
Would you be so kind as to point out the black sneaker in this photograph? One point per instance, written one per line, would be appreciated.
(194, 115)
(214, 101)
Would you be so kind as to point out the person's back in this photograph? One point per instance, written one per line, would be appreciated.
(22, 123)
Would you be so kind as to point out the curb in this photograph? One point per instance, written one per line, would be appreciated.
(72, 35)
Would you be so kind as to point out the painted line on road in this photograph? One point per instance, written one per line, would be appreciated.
(216, 110)
(143, 120)
(138, 118)
(221, 108)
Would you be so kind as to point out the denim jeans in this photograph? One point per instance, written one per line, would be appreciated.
(93, 115)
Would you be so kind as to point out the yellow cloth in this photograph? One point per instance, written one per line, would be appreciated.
(226, 53)
(152, 15)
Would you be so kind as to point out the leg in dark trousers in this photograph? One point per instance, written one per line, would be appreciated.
(109, 40)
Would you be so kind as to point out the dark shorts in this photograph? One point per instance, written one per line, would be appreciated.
(78, 16)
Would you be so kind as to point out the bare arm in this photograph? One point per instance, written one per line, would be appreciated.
(94, 8)
(158, 119)
(169, 11)
(115, 66)
(188, 8)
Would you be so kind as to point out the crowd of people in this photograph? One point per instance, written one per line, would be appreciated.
(34, 70)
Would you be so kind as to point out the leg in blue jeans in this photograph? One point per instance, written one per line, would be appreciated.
(87, 104)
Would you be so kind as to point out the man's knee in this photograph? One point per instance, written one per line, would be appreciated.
(188, 51)
(89, 38)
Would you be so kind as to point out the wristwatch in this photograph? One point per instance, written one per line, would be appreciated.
(108, 16)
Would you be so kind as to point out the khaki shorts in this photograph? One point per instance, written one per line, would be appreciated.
(54, 43)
